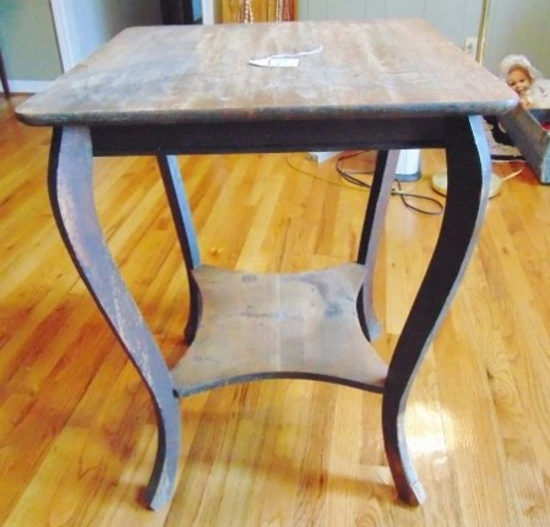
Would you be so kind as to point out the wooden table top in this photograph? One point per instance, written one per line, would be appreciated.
(173, 74)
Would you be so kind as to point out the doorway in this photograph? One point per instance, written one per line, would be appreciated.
(82, 26)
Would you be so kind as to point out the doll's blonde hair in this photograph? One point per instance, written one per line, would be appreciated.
(512, 62)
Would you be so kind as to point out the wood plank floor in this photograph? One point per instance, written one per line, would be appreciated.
(77, 431)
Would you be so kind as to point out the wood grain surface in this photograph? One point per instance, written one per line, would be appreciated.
(77, 431)
(174, 74)
(306, 323)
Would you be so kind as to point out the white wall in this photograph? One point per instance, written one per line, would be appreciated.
(30, 52)
(456, 18)
(28, 44)
(519, 27)
(514, 26)
(83, 25)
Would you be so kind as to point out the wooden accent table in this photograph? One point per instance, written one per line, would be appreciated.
(164, 91)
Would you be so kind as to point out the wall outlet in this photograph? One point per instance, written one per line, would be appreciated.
(470, 46)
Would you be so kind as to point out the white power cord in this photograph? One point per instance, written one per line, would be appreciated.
(439, 182)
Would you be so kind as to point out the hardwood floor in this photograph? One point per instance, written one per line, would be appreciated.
(77, 431)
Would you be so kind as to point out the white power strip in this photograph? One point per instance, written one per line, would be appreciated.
(321, 157)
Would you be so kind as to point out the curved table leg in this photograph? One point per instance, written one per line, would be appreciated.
(384, 173)
(4, 78)
(183, 220)
(469, 169)
(71, 195)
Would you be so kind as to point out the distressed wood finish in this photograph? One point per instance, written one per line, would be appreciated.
(307, 323)
(467, 155)
(183, 221)
(379, 69)
(190, 90)
(71, 196)
(386, 163)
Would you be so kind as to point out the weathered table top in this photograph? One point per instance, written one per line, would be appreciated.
(174, 74)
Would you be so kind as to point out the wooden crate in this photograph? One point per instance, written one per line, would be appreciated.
(525, 127)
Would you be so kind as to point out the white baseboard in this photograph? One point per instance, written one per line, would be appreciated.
(21, 86)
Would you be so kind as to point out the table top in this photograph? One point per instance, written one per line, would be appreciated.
(357, 69)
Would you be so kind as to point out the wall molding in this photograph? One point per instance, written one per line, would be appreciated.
(23, 86)
(65, 39)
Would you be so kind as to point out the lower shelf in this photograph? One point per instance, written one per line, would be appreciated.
(264, 326)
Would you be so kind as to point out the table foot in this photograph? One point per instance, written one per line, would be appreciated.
(161, 486)
(409, 488)
(71, 194)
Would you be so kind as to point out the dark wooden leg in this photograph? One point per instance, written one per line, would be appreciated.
(185, 229)
(177, 11)
(71, 195)
(469, 172)
(4, 78)
(386, 163)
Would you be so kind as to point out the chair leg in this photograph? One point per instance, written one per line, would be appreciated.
(4, 77)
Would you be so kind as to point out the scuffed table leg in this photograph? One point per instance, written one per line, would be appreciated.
(183, 221)
(71, 195)
(386, 164)
(469, 168)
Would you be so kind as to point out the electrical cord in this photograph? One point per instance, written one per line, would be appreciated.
(439, 208)
(513, 174)
(349, 176)
(306, 172)
(360, 185)
(439, 183)
(405, 196)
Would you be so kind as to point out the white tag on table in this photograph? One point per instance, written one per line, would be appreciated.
(275, 62)
(284, 60)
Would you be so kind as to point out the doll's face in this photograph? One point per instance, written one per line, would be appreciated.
(519, 80)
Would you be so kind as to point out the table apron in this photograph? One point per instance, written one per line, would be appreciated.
(272, 136)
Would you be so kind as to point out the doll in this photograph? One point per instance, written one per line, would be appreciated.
(524, 79)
